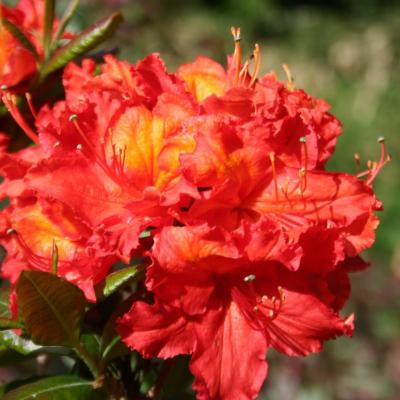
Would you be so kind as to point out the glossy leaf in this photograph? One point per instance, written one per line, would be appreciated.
(51, 308)
(19, 35)
(115, 280)
(10, 356)
(4, 300)
(68, 14)
(84, 42)
(8, 324)
(12, 341)
(58, 387)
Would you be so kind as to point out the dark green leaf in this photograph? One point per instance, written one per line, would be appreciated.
(56, 388)
(8, 324)
(68, 14)
(12, 341)
(9, 357)
(116, 348)
(4, 300)
(118, 278)
(17, 383)
(84, 42)
(19, 35)
(48, 25)
(51, 308)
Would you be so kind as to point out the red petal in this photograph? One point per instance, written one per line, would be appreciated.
(229, 360)
(156, 331)
(303, 323)
(204, 78)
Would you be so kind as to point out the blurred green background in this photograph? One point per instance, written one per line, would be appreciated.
(347, 52)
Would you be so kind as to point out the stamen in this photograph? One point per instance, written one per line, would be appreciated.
(303, 179)
(303, 142)
(303, 186)
(10, 231)
(11, 103)
(272, 158)
(290, 81)
(375, 167)
(243, 73)
(28, 98)
(237, 55)
(357, 159)
(257, 64)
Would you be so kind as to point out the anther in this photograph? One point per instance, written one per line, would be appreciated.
(357, 158)
(10, 231)
(271, 313)
(56, 144)
(381, 139)
(303, 139)
(264, 299)
(237, 54)
(249, 278)
(4, 87)
(79, 147)
(73, 117)
(236, 34)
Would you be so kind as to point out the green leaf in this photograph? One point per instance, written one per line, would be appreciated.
(12, 341)
(56, 388)
(4, 301)
(9, 357)
(68, 14)
(9, 324)
(84, 42)
(20, 36)
(51, 308)
(48, 25)
(115, 280)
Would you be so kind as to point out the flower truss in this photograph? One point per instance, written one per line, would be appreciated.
(251, 239)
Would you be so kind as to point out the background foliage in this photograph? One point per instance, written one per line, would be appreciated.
(348, 52)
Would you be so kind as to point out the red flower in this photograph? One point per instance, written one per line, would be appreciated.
(214, 303)
(264, 254)
(18, 64)
(253, 239)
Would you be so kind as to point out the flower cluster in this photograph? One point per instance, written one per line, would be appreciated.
(251, 240)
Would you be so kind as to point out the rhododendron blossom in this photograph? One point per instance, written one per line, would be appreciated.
(18, 64)
(251, 239)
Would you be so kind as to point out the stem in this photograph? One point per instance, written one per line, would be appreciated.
(48, 26)
(88, 359)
